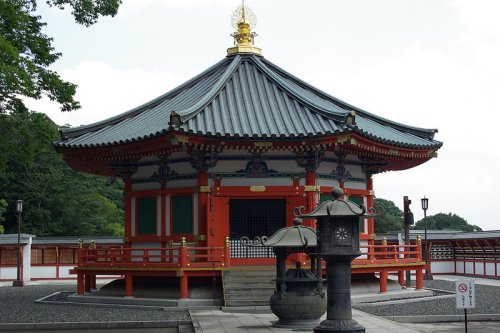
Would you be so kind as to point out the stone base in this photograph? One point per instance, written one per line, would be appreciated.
(344, 326)
(297, 324)
(18, 283)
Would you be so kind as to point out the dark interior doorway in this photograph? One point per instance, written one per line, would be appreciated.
(254, 217)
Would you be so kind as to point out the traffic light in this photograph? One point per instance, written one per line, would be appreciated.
(408, 214)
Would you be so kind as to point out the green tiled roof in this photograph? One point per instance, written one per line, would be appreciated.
(246, 96)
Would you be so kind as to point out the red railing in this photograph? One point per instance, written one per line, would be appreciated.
(389, 254)
(195, 257)
(172, 257)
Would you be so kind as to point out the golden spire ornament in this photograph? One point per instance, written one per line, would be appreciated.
(243, 20)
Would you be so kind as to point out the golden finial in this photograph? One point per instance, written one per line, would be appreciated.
(80, 243)
(384, 241)
(183, 242)
(243, 20)
(227, 242)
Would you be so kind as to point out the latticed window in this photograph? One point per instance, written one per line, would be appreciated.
(67, 256)
(8, 256)
(254, 217)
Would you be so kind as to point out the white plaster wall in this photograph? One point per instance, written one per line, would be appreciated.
(8, 273)
(152, 245)
(43, 272)
(145, 171)
(195, 213)
(167, 214)
(479, 268)
(490, 268)
(257, 181)
(27, 261)
(445, 267)
(184, 168)
(288, 166)
(469, 268)
(64, 271)
(158, 215)
(146, 186)
(228, 166)
(364, 250)
(355, 170)
(355, 185)
(181, 183)
(460, 267)
(132, 216)
(328, 182)
(326, 168)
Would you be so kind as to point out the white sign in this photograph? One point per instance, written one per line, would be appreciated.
(466, 294)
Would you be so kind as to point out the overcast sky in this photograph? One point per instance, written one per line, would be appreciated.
(426, 63)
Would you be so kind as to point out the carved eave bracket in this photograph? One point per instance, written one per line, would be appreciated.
(124, 171)
(202, 160)
(310, 161)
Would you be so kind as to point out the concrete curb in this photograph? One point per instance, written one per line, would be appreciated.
(92, 325)
(443, 318)
(137, 303)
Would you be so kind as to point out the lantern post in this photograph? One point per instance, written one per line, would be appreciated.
(19, 210)
(425, 206)
(338, 243)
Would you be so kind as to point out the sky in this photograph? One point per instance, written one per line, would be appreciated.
(425, 63)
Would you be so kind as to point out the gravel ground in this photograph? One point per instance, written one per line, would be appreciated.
(487, 302)
(17, 305)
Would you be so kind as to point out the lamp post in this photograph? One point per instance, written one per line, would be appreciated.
(19, 209)
(425, 205)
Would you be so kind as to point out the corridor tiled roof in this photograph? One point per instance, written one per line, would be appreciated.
(246, 96)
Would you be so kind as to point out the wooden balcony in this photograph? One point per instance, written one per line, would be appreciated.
(182, 261)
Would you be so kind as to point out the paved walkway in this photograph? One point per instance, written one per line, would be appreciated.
(217, 321)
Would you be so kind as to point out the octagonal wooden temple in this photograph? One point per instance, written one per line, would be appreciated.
(229, 153)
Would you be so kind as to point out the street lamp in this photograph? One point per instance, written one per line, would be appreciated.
(425, 205)
(19, 209)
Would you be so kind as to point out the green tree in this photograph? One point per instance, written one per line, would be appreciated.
(448, 221)
(26, 53)
(57, 200)
(390, 217)
(3, 208)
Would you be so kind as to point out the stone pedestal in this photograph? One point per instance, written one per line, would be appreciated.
(339, 311)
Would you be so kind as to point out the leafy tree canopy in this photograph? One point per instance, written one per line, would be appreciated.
(26, 52)
(57, 200)
(448, 221)
(3, 208)
(390, 218)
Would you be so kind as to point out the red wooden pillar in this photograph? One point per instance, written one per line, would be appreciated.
(401, 278)
(80, 283)
(183, 260)
(203, 191)
(163, 219)
(129, 285)
(419, 279)
(93, 282)
(310, 194)
(369, 203)
(227, 253)
(127, 203)
(87, 282)
(384, 275)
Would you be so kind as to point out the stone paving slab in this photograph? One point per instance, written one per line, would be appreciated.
(215, 321)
